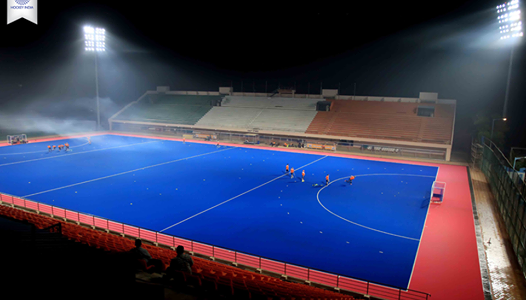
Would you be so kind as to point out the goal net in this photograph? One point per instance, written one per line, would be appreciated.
(17, 139)
(437, 192)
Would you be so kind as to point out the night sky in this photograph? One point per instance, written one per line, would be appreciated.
(389, 48)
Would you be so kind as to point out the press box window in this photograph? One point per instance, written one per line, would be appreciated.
(426, 111)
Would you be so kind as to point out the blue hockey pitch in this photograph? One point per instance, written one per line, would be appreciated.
(239, 198)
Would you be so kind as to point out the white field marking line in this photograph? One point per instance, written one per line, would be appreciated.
(357, 224)
(122, 173)
(421, 235)
(43, 151)
(238, 196)
(80, 145)
(19, 162)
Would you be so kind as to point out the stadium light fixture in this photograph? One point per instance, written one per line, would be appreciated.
(510, 20)
(509, 16)
(95, 41)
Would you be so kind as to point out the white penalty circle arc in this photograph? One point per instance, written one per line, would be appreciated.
(360, 225)
(43, 151)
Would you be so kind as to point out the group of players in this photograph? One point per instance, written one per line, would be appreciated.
(291, 171)
(60, 147)
(65, 146)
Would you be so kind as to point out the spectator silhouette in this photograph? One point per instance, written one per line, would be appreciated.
(182, 262)
(148, 263)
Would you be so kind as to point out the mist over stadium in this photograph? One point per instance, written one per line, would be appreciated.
(415, 101)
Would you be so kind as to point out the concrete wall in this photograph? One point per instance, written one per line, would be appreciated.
(225, 90)
(416, 146)
(326, 93)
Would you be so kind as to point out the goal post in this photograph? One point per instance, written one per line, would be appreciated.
(437, 192)
(16, 139)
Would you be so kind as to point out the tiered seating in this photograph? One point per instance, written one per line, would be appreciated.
(384, 120)
(321, 122)
(372, 125)
(275, 114)
(229, 117)
(226, 280)
(279, 103)
(40, 222)
(242, 281)
(177, 109)
(185, 100)
(436, 129)
(263, 119)
(374, 107)
(283, 120)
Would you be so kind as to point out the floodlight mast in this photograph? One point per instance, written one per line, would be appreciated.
(95, 41)
(510, 26)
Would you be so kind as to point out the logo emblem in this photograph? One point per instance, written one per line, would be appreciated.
(22, 9)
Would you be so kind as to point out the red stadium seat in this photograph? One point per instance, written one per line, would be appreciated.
(209, 275)
(193, 280)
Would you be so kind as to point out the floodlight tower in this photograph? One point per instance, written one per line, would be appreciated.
(510, 27)
(95, 41)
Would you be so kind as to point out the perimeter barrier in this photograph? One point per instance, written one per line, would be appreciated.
(356, 285)
(345, 144)
(509, 190)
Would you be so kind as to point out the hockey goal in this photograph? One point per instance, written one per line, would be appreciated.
(17, 139)
(437, 192)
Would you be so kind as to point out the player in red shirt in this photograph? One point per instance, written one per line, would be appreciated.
(303, 176)
(327, 179)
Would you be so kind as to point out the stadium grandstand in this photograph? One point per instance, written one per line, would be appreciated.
(411, 127)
